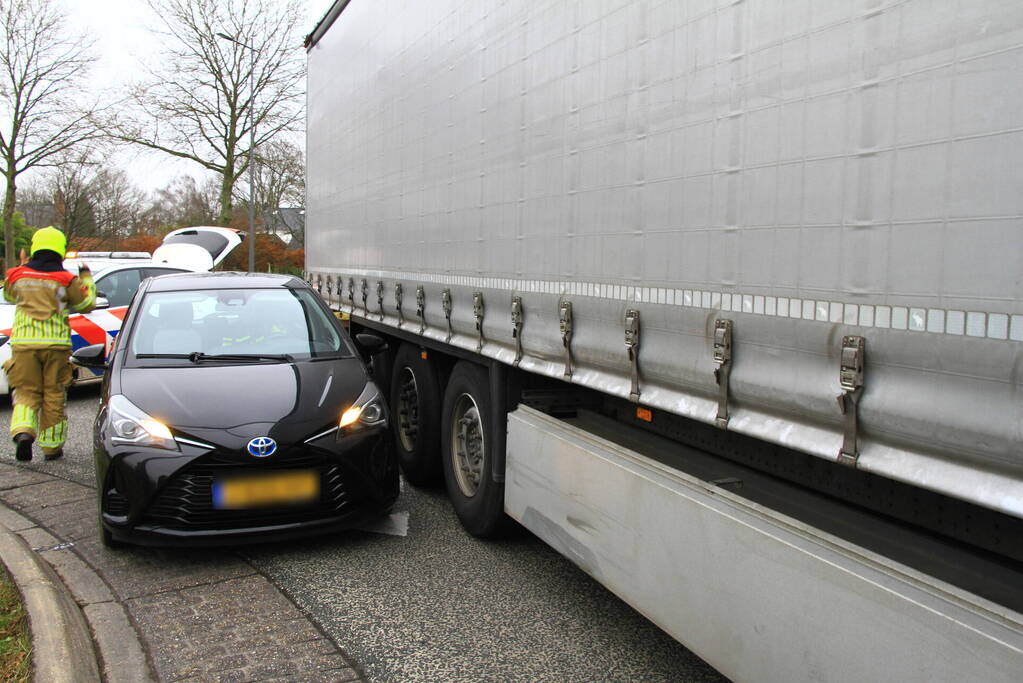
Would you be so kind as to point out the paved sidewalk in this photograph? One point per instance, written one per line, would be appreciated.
(199, 614)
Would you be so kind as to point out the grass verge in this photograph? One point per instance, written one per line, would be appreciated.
(15, 642)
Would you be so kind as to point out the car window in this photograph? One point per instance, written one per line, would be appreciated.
(119, 287)
(235, 321)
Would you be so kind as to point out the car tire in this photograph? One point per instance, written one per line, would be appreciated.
(415, 413)
(468, 455)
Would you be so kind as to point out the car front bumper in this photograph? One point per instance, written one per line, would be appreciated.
(163, 498)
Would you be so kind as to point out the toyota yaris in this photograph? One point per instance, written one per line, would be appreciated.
(235, 408)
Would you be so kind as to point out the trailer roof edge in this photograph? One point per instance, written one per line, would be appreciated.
(325, 23)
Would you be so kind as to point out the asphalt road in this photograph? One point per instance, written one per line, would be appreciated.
(439, 605)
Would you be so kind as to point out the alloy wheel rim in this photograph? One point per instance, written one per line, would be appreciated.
(467, 445)
(408, 409)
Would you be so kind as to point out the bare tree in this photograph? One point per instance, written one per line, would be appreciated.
(280, 182)
(42, 64)
(184, 202)
(118, 203)
(84, 200)
(35, 203)
(69, 185)
(196, 102)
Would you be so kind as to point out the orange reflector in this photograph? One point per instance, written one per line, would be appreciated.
(422, 354)
(645, 414)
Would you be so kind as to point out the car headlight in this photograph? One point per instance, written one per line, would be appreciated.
(367, 411)
(130, 425)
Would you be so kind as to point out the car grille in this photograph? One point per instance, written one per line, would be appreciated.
(186, 503)
(115, 504)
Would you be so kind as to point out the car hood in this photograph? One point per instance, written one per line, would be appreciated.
(230, 404)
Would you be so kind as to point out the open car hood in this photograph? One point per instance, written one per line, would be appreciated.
(197, 249)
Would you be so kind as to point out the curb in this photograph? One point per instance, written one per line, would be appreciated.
(79, 610)
(62, 647)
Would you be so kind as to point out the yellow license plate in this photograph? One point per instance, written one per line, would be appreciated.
(287, 488)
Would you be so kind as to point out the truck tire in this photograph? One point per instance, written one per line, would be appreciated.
(415, 408)
(466, 442)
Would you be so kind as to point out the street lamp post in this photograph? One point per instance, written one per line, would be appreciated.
(252, 150)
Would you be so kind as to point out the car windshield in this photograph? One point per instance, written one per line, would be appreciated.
(234, 325)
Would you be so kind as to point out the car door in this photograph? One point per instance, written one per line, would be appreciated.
(102, 325)
(119, 286)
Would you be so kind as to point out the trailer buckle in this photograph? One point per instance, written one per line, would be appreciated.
(723, 371)
(517, 318)
(478, 312)
(632, 346)
(397, 303)
(421, 308)
(850, 376)
(445, 302)
(565, 318)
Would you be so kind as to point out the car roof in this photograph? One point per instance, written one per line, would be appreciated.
(101, 265)
(223, 280)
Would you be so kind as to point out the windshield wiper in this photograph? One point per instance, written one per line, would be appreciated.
(199, 357)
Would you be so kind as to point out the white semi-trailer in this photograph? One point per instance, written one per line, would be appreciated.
(722, 299)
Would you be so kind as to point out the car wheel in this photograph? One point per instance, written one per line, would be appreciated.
(468, 452)
(415, 411)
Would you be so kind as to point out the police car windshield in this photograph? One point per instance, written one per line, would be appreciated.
(234, 325)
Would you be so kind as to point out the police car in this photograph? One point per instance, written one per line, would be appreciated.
(118, 276)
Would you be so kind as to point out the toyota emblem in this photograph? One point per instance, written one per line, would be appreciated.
(262, 446)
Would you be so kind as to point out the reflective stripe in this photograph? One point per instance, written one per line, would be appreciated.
(53, 330)
(53, 437)
(88, 329)
(24, 417)
(90, 295)
(42, 340)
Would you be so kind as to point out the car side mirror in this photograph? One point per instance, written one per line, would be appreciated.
(94, 356)
(101, 302)
(370, 343)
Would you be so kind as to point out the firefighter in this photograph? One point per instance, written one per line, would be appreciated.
(39, 369)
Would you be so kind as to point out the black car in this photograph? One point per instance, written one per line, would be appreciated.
(236, 408)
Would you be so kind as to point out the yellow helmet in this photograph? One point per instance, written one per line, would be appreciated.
(49, 238)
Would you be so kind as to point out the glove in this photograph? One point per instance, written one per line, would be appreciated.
(84, 269)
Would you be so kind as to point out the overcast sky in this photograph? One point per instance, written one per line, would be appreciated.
(122, 43)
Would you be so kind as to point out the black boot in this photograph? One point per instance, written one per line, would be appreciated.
(59, 453)
(23, 446)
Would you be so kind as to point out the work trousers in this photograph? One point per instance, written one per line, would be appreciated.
(39, 378)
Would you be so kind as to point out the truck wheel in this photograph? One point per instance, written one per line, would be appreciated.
(415, 406)
(466, 443)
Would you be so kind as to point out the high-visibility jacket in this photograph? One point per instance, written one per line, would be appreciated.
(44, 301)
